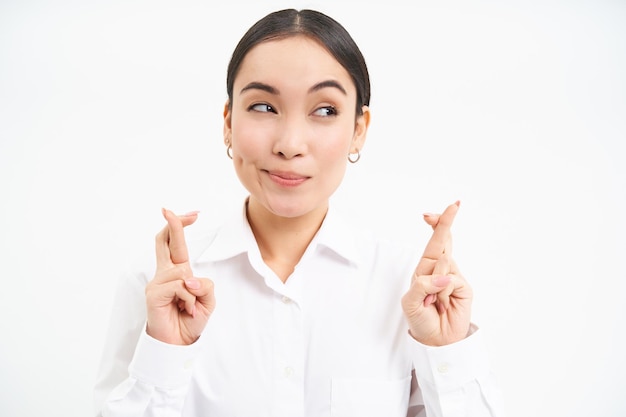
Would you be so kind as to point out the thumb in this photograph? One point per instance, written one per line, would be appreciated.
(203, 289)
(423, 291)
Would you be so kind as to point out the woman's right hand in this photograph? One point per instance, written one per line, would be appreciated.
(178, 304)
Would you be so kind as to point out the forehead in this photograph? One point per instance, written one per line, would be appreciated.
(295, 58)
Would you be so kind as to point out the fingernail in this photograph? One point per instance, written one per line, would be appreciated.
(428, 214)
(191, 213)
(441, 281)
(193, 284)
(458, 203)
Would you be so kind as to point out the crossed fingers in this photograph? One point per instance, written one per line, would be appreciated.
(171, 247)
(440, 242)
(172, 262)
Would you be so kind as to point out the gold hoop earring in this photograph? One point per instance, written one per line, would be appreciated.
(354, 159)
(229, 151)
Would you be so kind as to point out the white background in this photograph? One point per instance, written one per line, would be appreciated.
(111, 110)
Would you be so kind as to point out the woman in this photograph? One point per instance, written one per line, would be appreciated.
(286, 310)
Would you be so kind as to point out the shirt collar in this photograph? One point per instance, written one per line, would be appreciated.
(232, 238)
(337, 235)
(235, 237)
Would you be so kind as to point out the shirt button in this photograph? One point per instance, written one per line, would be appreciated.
(288, 371)
(286, 299)
(443, 368)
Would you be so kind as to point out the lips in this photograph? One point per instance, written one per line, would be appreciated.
(287, 179)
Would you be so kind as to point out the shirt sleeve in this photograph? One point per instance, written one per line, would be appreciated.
(139, 375)
(455, 380)
(158, 381)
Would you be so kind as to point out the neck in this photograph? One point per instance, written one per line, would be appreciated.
(283, 240)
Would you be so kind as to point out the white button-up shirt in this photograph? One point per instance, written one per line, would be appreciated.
(331, 341)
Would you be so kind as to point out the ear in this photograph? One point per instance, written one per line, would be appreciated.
(228, 131)
(360, 130)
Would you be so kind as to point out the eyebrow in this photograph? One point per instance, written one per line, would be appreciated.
(255, 85)
(328, 84)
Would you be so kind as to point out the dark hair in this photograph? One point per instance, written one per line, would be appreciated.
(315, 25)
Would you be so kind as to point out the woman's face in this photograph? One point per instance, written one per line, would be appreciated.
(291, 124)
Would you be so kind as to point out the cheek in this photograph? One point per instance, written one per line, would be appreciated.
(335, 144)
(248, 141)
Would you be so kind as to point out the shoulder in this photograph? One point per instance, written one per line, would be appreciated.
(399, 258)
(367, 247)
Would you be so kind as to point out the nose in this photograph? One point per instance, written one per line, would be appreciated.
(290, 139)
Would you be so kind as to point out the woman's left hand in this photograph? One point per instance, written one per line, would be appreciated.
(438, 303)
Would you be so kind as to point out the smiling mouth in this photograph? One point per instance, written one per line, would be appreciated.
(286, 179)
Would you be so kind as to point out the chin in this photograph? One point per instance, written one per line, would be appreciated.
(289, 211)
(294, 208)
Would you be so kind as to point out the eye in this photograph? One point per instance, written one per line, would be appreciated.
(262, 108)
(326, 111)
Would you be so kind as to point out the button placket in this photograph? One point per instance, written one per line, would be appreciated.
(443, 368)
(288, 354)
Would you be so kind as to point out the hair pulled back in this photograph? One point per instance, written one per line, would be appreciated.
(315, 25)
